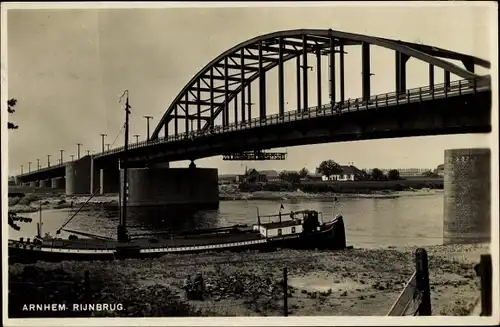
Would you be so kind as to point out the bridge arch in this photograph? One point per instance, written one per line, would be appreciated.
(239, 66)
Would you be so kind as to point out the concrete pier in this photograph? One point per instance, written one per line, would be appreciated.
(467, 196)
(34, 184)
(109, 180)
(190, 188)
(58, 183)
(78, 176)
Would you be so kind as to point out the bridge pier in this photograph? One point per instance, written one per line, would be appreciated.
(58, 183)
(78, 176)
(467, 196)
(175, 190)
(109, 180)
(34, 184)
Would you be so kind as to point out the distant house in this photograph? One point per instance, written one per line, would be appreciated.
(228, 179)
(263, 176)
(440, 170)
(349, 173)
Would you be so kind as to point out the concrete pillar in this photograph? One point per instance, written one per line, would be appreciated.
(94, 176)
(45, 183)
(33, 184)
(58, 183)
(176, 187)
(467, 196)
(78, 176)
(109, 180)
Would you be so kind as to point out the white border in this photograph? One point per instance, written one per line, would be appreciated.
(250, 321)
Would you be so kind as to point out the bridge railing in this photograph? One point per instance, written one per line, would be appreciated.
(393, 98)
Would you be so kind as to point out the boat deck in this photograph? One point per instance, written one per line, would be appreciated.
(160, 242)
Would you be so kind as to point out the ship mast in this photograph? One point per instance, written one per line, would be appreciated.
(122, 227)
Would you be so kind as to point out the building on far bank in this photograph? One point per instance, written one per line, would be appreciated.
(349, 173)
(439, 170)
(229, 179)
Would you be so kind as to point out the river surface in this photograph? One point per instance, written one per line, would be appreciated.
(370, 223)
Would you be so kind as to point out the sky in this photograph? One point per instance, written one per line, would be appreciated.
(69, 67)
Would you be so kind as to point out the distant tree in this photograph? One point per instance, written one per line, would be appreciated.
(304, 172)
(11, 103)
(377, 174)
(393, 175)
(329, 168)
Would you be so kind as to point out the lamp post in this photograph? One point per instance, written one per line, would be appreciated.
(147, 124)
(79, 145)
(37, 164)
(102, 140)
(48, 160)
(61, 158)
(29, 166)
(107, 147)
(72, 157)
(88, 152)
(136, 138)
(21, 169)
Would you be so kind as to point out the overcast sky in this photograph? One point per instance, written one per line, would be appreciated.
(68, 68)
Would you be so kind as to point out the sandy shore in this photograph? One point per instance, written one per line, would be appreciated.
(350, 282)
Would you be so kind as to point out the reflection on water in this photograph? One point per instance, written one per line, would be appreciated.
(400, 221)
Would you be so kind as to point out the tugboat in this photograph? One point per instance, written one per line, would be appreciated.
(304, 229)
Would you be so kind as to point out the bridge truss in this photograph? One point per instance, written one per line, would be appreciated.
(225, 84)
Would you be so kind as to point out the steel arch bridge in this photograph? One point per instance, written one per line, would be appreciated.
(209, 94)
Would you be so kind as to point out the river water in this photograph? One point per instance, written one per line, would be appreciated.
(370, 223)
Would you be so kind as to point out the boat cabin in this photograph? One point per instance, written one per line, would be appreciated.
(302, 221)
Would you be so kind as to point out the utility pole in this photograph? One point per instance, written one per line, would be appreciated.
(136, 138)
(122, 227)
(79, 145)
(29, 166)
(107, 147)
(48, 160)
(147, 123)
(61, 159)
(37, 164)
(102, 140)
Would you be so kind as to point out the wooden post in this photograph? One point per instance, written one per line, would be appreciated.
(285, 293)
(485, 272)
(422, 270)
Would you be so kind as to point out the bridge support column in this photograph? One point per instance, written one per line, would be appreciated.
(401, 60)
(467, 196)
(281, 80)
(173, 190)
(109, 180)
(78, 176)
(58, 183)
(365, 70)
(45, 183)
(33, 184)
(332, 71)
(262, 85)
(305, 67)
(94, 176)
(299, 104)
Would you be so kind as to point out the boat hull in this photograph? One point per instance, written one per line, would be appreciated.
(331, 236)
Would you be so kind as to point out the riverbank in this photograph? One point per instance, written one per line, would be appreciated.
(32, 202)
(351, 282)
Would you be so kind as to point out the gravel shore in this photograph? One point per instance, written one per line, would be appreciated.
(351, 282)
